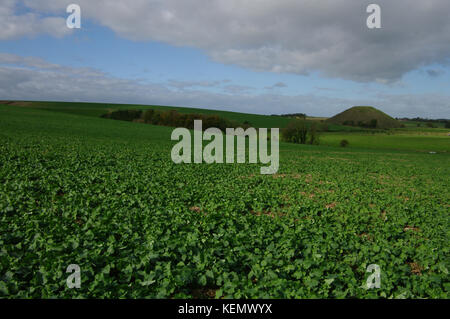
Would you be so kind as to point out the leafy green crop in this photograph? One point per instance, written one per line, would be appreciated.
(105, 195)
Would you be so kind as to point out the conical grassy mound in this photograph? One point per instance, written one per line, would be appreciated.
(365, 116)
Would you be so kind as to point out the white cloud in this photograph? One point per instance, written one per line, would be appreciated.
(294, 36)
(14, 25)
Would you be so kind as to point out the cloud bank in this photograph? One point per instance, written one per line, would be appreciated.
(292, 36)
(13, 25)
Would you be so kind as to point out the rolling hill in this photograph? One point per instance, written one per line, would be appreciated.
(365, 116)
(98, 109)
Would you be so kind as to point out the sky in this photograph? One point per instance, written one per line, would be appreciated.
(253, 56)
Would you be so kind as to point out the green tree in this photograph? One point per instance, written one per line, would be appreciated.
(296, 132)
(313, 134)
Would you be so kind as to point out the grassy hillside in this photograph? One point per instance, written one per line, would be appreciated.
(97, 109)
(364, 114)
(413, 142)
(411, 137)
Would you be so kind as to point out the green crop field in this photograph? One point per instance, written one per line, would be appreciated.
(415, 142)
(104, 194)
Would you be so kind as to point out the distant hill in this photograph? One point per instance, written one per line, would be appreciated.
(364, 116)
(98, 109)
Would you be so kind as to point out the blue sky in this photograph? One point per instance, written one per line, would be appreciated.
(198, 73)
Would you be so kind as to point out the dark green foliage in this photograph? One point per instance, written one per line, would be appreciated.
(124, 115)
(349, 122)
(295, 115)
(296, 132)
(148, 116)
(447, 124)
(313, 134)
(301, 132)
(343, 143)
(370, 124)
(325, 127)
(174, 119)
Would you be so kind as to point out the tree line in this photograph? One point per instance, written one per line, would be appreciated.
(174, 119)
(301, 132)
